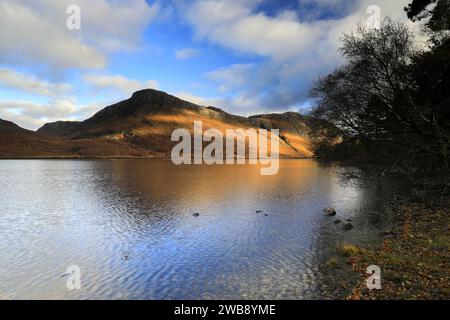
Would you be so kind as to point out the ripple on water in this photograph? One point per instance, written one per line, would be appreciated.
(129, 226)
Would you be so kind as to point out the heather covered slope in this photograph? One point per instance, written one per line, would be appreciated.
(18, 143)
(142, 126)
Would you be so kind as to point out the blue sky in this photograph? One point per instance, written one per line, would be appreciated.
(245, 56)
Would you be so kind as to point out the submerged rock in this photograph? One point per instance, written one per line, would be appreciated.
(126, 256)
(329, 211)
(196, 214)
(337, 221)
(258, 211)
(348, 226)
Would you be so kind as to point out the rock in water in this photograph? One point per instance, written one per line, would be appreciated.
(196, 214)
(329, 211)
(389, 234)
(348, 226)
(337, 221)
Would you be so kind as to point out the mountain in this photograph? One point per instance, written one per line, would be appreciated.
(11, 127)
(16, 141)
(59, 128)
(146, 112)
(141, 126)
(19, 143)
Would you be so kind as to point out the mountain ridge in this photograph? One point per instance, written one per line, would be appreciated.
(141, 126)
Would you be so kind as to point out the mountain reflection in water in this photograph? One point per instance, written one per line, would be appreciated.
(130, 227)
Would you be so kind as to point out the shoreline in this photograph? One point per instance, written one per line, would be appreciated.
(414, 255)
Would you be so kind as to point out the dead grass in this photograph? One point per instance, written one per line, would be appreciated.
(415, 264)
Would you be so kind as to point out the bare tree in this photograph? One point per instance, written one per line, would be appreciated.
(374, 97)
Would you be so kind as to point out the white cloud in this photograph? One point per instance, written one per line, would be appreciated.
(120, 83)
(232, 77)
(243, 105)
(27, 38)
(28, 83)
(296, 50)
(187, 53)
(108, 25)
(34, 36)
(32, 115)
(234, 24)
(201, 101)
(239, 25)
(35, 33)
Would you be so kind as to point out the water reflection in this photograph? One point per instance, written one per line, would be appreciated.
(129, 226)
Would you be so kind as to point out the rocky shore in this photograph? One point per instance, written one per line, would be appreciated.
(414, 255)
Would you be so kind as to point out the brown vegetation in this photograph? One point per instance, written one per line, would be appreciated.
(141, 127)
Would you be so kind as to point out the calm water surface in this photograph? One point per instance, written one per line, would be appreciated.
(129, 226)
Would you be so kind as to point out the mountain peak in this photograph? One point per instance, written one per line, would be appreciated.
(157, 98)
(148, 93)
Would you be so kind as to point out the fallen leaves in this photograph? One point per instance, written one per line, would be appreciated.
(414, 266)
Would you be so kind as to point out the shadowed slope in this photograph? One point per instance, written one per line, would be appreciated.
(141, 126)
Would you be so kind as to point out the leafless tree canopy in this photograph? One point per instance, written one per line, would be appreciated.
(390, 100)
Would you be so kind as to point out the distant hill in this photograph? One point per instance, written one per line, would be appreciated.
(11, 127)
(141, 126)
(18, 143)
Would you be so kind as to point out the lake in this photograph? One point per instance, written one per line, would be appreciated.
(129, 226)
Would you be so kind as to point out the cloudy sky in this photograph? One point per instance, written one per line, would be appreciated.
(245, 56)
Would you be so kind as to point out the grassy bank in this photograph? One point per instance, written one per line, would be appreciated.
(414, 256)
